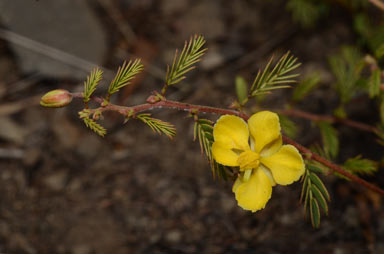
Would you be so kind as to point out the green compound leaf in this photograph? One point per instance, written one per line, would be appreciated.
(315, 169)
(124, 75)
(91, 83)
(374, 83)
(314, 195)
(304, 187)
(158, 126)
(203, 130)
(330, 138)
(305, 86)
(275, 78)
(100, 130)
(190, 55)
(320, 198)
(347, 67)
(305, 12)
(315, 180)
(360, 166)
(315, 213)
(379, 53)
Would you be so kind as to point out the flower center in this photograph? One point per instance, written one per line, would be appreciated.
(248, 160)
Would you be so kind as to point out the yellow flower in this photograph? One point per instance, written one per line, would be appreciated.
(257, 149)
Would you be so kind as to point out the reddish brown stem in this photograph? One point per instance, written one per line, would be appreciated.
(332, 166)
(161, 104)
(205, 109)
(332, 119)
(379, 4)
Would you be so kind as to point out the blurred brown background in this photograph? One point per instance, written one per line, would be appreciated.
(63, 189)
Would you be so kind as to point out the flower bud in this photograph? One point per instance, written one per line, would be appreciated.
(56, 98)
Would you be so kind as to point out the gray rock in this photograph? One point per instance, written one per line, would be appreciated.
(54, 38)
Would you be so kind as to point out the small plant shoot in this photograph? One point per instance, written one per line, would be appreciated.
(250, 145)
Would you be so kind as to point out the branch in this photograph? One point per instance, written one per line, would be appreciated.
(379, 4)
(334, 167)
(160, 104)
(163, 103)
(332, 119)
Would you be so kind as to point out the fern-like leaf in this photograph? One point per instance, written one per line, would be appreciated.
(100, 130)
(124, 75)
(305, 12)
(203, 130)
(190, 55)
(361, 166)
(157, 125)
(91, 83)
(275, 78)
(347, 67)
(314, 195)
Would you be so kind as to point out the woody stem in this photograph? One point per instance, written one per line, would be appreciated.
(164, 103)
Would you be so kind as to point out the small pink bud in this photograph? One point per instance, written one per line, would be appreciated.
(152, 99)
(235, 105)
(56, 98)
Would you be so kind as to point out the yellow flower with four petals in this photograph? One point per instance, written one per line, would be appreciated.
(257, 149)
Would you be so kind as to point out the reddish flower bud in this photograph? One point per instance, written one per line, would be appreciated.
(152, 99)
(56, 98)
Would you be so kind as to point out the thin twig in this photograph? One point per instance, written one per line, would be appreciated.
(379, 4)
(331, 119)
(160, 104)
(163, 103)
(332, 166)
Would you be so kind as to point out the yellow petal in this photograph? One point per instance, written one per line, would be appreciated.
(265, 129)
(224, 155)
(232, 132)
(237, 183)
(272, 147)
(286, 165)
(253, 194)
(268, 173)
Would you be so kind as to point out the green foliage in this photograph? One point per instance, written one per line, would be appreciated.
(275, 78)
(92, 81)
(330, 139)
(347, 67)
(379, 52)
(90, 123)
(374, 83)
(158, 126)
(124, 75)
(371, 35)
(305, 86)
(241, 90)
(381, 109)
(190, 55)
(380, 127)
(360, 166)
(288, 126)
(314, 194)
(203, 129)
(305, 12)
